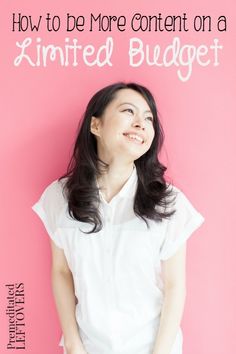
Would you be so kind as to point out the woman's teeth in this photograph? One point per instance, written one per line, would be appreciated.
(135, 137)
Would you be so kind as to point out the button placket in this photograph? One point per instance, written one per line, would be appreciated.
(108, 245)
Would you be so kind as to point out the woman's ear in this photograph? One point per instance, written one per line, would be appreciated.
(95, 125)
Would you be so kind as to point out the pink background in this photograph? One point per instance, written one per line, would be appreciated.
(40, 110)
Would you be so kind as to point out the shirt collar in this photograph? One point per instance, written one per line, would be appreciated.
(127, 191)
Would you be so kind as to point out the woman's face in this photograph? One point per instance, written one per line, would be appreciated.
(125, 130)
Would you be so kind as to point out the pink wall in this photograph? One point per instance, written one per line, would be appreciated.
(40, 110)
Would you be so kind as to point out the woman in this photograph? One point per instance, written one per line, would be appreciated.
(118, 232)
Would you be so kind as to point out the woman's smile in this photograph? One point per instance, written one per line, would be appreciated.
(134, 137)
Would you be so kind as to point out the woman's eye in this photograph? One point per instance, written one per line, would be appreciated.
(128, 110)
(149, 119)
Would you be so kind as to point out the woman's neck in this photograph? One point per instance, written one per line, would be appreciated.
(111, 181)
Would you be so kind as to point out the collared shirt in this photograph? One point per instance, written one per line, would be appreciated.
(117, 271)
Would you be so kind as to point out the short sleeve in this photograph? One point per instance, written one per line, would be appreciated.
(49, 207)
(180, 226)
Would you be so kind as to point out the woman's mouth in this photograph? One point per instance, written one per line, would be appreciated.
(134, 137)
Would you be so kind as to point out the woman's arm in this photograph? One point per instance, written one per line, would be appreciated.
(63, 290)
(173, 305)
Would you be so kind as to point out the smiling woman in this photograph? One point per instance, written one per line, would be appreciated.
(125, 130)
(118, 232)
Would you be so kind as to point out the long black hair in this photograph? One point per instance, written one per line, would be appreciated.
(80, 186)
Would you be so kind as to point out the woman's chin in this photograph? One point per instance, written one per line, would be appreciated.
(124, 152)
(133, 154)
(136, 150)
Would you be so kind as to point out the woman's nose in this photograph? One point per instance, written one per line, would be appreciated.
(138, 122)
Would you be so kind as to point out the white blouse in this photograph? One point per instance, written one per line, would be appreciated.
(117, 271)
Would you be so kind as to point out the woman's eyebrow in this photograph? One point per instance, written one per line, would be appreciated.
(133, 106)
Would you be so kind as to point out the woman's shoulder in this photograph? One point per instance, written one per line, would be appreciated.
(56, 186)
(176, 197)
(51, 207)
(182, 202)
(54, 193)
